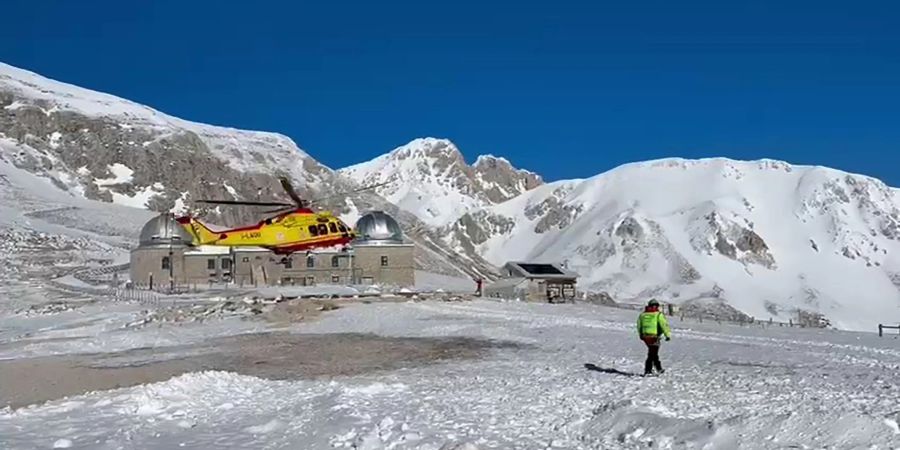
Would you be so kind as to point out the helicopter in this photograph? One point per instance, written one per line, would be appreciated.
(294, 227)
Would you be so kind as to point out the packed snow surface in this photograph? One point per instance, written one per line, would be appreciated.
(725, 387)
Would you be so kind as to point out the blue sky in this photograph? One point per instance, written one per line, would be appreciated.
(562, 88)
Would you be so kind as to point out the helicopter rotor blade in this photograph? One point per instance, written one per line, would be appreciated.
(289, 188)
(280, 210)
(246, 203)
(353, 191)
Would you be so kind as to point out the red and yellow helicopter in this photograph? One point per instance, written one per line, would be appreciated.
(294, 228)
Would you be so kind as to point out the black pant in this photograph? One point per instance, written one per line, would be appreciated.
(652, 356)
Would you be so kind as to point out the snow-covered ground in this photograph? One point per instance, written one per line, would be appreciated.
(726, 387)
(426, 281)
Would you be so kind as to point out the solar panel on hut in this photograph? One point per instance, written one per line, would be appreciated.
(540, 269)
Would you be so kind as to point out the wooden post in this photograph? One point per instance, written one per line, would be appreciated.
(880, 330)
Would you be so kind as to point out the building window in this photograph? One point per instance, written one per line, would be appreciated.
(211, 264)
(288, 263)
(335, 279)
(332, 227)
(166, 263)
(226, 264)
(245, 259)
(335, 261)
(310, 261)
(313, 231)
(384, 261)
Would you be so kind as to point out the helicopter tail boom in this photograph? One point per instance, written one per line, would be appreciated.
(198, 230)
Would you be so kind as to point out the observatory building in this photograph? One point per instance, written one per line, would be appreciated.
(165, 257)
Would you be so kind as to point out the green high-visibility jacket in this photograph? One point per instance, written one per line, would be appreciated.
(653, 324)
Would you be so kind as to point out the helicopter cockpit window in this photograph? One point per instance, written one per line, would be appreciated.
(313, 231)
(332, 227)
(323, 230)
(342, 228)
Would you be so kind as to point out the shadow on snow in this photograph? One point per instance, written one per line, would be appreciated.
(596, 368)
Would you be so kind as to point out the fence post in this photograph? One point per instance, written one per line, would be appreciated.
(880, 330)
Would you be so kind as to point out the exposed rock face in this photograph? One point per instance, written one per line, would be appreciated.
(499, 181)
(162, 162)
(714, 231)
(553, 212)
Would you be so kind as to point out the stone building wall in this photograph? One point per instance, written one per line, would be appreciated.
(147, 265)
(386, 264)
(392, 265)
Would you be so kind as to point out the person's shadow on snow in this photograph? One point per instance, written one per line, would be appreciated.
(597, 368)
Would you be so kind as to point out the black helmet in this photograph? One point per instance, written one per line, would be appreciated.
(653, 302)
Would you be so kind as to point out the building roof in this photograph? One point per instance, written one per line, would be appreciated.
(208, 250)
(515, 269)
(377, 228)
(251, 250)
(164, 231)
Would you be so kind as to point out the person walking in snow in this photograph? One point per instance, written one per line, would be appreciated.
(652, 325)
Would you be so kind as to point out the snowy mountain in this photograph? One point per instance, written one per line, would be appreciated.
(762, 238)
(430, 178)
(99, 147)
(110, 149)
(765, 237)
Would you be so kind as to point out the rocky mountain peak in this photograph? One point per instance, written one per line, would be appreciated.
(427, 147)
(430, 178)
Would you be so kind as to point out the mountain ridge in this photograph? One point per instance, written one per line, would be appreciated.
(107, 149)
(764, 237)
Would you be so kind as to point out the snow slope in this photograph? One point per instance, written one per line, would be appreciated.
(430, 178)
(242, 150)
(785, 388)
(768, 237)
